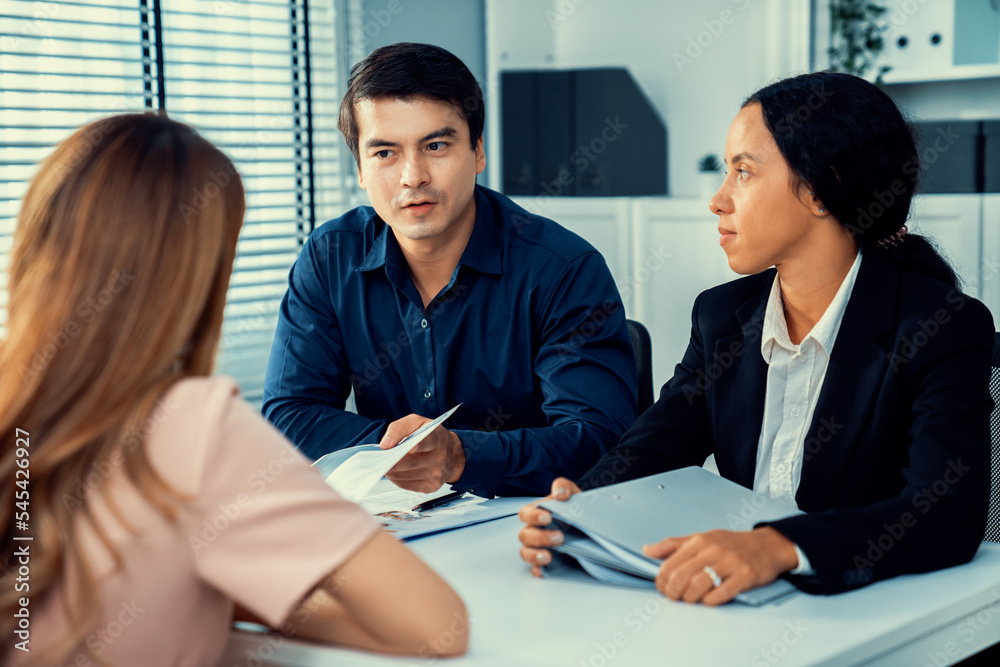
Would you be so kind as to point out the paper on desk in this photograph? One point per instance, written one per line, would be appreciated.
(464, 511)
(354, 472)
(387, 497)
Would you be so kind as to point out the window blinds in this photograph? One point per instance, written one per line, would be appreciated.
(256, 77)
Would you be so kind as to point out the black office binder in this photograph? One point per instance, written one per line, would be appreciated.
(580, 133)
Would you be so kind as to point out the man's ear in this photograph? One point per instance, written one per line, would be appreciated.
(361, 179)
(480, 156)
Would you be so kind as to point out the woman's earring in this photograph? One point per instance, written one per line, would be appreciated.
(811, 194)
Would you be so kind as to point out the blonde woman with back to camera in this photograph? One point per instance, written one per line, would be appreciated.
(132, 452)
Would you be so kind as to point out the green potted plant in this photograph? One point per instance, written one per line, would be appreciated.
(709, 175)
(856, 37)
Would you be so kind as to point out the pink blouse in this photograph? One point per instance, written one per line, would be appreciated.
(260, 528)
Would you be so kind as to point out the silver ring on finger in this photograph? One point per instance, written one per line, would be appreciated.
(713, 575)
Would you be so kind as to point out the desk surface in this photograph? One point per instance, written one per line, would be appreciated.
(568, 619)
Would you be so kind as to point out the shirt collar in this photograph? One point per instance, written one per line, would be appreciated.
(824, 333)
(482, 253)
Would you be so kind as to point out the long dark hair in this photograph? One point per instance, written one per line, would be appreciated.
(847, 140)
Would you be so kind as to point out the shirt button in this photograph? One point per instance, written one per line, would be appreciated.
(423, 324)
(780, 468)
(795, 412)
(427, 393)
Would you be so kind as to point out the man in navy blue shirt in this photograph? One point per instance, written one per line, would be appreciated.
(444, 292)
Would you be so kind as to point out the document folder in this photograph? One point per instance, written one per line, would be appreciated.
(607, 527)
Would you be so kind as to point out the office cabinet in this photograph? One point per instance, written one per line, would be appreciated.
(949, 156)
(990, 268)
(677, 256)
(953, 222)
(580, 133)
(991, 156)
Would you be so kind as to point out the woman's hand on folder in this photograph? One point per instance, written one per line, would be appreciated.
(742, 560)
(534, 537)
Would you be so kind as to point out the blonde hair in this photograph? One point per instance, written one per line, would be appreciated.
(121, 261)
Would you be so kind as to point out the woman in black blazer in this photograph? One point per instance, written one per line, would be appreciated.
(889, 457)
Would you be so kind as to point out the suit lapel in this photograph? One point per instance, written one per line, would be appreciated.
(739, 402)
(853, 378)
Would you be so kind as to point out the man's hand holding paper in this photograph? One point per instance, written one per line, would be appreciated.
(355, 471)
(437, 459)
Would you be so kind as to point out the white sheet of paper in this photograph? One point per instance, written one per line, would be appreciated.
(387, 497)
(356, 476)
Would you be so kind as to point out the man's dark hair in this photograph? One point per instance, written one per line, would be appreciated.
(407, 70)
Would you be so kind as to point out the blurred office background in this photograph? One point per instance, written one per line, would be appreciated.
(598, 115)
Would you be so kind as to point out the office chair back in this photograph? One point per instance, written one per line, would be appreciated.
(643, 347)
(993, 524)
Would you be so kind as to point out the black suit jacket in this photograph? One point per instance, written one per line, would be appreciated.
(896, 470)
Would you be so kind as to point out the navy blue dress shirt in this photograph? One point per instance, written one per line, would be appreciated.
(529, 335)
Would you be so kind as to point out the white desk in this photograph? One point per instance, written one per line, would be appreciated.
(517, 620)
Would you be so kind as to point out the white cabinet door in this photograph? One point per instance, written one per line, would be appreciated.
(954, 223)
(676, 256)
(991, 255)
(601, 221)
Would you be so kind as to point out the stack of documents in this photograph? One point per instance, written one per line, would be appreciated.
(606, 528)
(358, 475)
